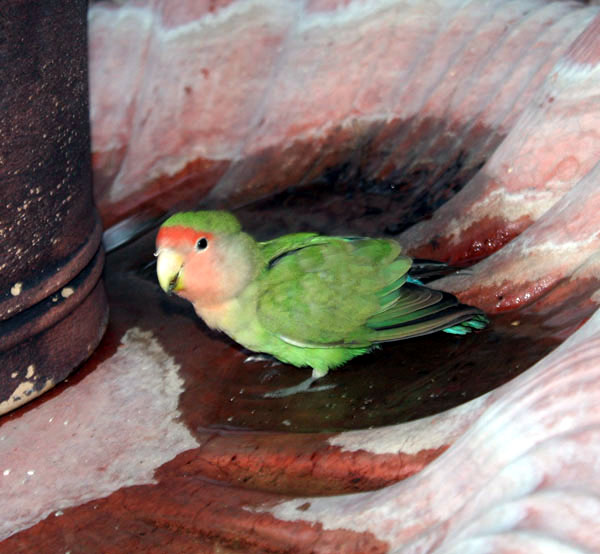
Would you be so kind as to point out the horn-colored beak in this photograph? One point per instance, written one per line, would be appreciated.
(168, 270)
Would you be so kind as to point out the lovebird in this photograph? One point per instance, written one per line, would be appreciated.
(304, 298)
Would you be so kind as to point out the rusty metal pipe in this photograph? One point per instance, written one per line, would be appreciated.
(53, 309)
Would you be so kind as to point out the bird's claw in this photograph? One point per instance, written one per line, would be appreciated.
(321, 387)
(304, 386)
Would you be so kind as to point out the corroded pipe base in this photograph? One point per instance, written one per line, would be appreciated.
(52, 305)
(43, 344)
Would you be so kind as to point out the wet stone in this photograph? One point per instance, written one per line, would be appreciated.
(397, 382)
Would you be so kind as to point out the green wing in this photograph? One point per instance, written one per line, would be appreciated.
(321, 291)
(273, 248)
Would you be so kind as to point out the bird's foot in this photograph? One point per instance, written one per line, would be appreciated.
(304, 386)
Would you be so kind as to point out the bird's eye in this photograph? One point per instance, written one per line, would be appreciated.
(202, 244)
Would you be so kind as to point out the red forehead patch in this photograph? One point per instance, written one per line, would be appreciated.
(180, 236)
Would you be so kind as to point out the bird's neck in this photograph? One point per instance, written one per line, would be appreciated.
(214, 315)
(232, 315)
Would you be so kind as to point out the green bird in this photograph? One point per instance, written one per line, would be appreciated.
(306, 299)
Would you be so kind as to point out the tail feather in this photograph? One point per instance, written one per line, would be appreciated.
(477, 322)
(420, 311)
(428, 270)
(409, 300)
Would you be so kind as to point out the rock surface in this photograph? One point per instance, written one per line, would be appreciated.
(478, 122)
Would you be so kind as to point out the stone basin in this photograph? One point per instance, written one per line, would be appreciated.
(466, 130)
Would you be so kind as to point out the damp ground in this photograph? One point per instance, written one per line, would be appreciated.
(397, 382)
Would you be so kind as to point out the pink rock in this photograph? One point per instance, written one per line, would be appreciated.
(485, 117)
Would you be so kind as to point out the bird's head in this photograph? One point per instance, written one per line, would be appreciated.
(205, 257)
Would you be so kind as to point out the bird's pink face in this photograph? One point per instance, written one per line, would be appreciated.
(189, 263)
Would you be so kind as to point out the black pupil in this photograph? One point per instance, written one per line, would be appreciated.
(201, 244)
